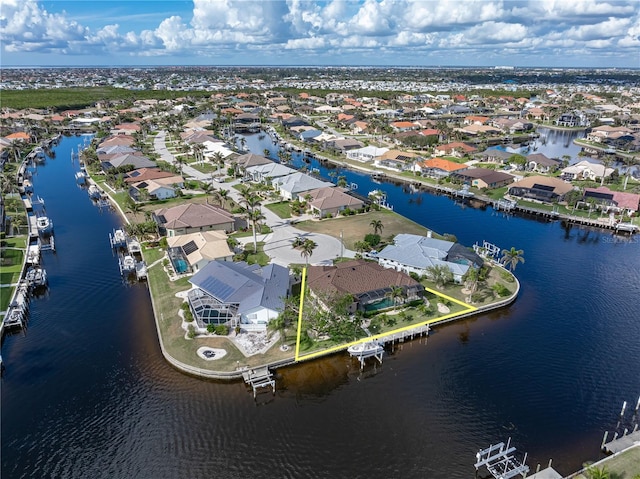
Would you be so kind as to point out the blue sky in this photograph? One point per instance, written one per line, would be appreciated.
(521, 33)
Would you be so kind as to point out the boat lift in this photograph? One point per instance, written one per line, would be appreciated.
(501, 462)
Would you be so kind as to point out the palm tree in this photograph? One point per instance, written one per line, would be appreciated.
(396, 294)
(266, 152)
(223, 195)
(255, 215)
(18, 221)
(511, 258)
(594, 472)
(440, 275)
(377, 226)
(277, 324)
(307, 248)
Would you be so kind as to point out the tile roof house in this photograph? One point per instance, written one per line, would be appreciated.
(438, 167)
(541, 163)
(163, 177)
(541, 188)
(331, 200)
(584, 169)
(367, 282)
(484, 178)
(416, 254)
(238, 294)
(156, 191)
(457, 149)
(619, 200)
(199, 249)
(250, 159)
(193, 217)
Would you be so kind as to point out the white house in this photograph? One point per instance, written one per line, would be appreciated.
(238, 294)
(366, 154)
(584, 170)
(416, 254)
(291, 186)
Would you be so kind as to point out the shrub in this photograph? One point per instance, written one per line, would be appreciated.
(211, 328)
(191, 332)
(501, 290)
(221, 330)
(372, 239)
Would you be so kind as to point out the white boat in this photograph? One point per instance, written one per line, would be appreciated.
(127, 264)
(118, 239)
(81, 177)
(36, 277)
(45, 225)
(94, 192)
(366, 349)
(33, 254)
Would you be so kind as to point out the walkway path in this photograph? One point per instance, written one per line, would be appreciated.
(278, 243)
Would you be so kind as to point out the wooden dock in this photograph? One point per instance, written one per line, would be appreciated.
(618, 444)
(259, 378)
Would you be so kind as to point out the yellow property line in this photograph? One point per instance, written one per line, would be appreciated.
(468, 309)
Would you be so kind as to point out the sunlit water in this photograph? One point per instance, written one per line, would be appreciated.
(86, 392)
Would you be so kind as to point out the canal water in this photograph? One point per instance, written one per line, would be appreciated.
(86, 392)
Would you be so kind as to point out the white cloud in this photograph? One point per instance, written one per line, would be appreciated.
(383, 29)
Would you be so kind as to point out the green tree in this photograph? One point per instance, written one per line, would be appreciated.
(397, 294)
(377, 226)
(223, 195)
(440, 275)
(510, 258)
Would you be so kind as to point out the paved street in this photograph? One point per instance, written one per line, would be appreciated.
(278, 243)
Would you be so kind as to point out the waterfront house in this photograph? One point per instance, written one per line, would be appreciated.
(192, 218)
(249, 159)
(395, 160)
(585, 170)
(617, 201)
(368, 283)
(297, 184)
(331, 200)
(155, 190)
(494, 155)
(366, 154)
(484, 178)
(416, 254)
(199, 249)
(342, 145)
(238, 294)
(541, 163)
(128, 159)
(438, 167)
(267, 172)
(540, 188)
(456, 149)
(156, 174)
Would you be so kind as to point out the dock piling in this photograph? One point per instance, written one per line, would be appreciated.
(604, 439)
(624, 406)
(638, 404)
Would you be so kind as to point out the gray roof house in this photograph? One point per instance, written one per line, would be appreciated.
(268, 171)
(238, 294)
(415, 254)
(291, 186)
(127, 159)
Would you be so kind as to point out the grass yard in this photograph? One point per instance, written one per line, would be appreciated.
(282, 209)
(354, 228)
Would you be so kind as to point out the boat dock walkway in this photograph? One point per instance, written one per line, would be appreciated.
(618, 444)
(259, 378)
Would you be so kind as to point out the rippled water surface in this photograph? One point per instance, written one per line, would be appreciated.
(86, 392)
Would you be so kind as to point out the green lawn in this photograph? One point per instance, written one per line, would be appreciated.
(354, 228)
(282, 209)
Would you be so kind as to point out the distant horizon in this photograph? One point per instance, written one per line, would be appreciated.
(314, 33)
(406, 67)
